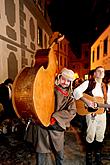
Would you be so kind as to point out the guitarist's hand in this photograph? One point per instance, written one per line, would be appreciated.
(87, 102)
(92, 107)
(90, 104)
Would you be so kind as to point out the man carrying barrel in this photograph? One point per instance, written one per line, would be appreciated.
(47, 140)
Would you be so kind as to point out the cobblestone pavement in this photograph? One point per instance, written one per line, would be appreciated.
(14, 151)
(75, 148)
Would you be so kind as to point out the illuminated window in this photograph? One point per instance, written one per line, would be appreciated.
(93, 53)
(98, 52)
(105, 46)
(86, 76)
(45, 41)
(39, 37)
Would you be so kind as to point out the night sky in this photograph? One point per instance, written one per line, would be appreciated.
(79, 20)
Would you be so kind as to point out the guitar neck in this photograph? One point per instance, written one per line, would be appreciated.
(100, 105)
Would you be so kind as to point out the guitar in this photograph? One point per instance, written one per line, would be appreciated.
(82, 108)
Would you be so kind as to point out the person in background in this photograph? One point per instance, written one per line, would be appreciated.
(108, 91)
(77, 82)
(96, 123)
(47, 140)
(6, 100)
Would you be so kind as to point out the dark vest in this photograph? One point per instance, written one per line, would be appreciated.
(91, 86)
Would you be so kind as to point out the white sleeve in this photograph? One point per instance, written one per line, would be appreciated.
(78, 92)
(108, 95)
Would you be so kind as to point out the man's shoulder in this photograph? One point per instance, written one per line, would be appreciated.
(60, 90)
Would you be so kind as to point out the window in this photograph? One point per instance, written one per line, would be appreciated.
(45, 41)
(39, 37)
(93, 56)
(86, 77)
(98, 52)
(105, 46)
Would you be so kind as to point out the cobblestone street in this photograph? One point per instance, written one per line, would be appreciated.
(14, 151)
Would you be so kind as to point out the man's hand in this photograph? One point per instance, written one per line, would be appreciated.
(90, 103)
(54, 125)
(52, 121)
(93, 107)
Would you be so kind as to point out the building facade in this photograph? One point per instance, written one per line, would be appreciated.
(80, 65)
(24, 28)
(62, 54)
(100, 51)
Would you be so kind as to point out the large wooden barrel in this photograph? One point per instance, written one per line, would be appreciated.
(33, 91)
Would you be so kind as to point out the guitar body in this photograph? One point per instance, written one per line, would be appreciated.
(82, 109)
(33, 89)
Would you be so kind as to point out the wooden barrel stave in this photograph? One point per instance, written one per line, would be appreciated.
(22, 94)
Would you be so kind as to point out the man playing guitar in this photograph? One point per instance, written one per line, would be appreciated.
(96, 122)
